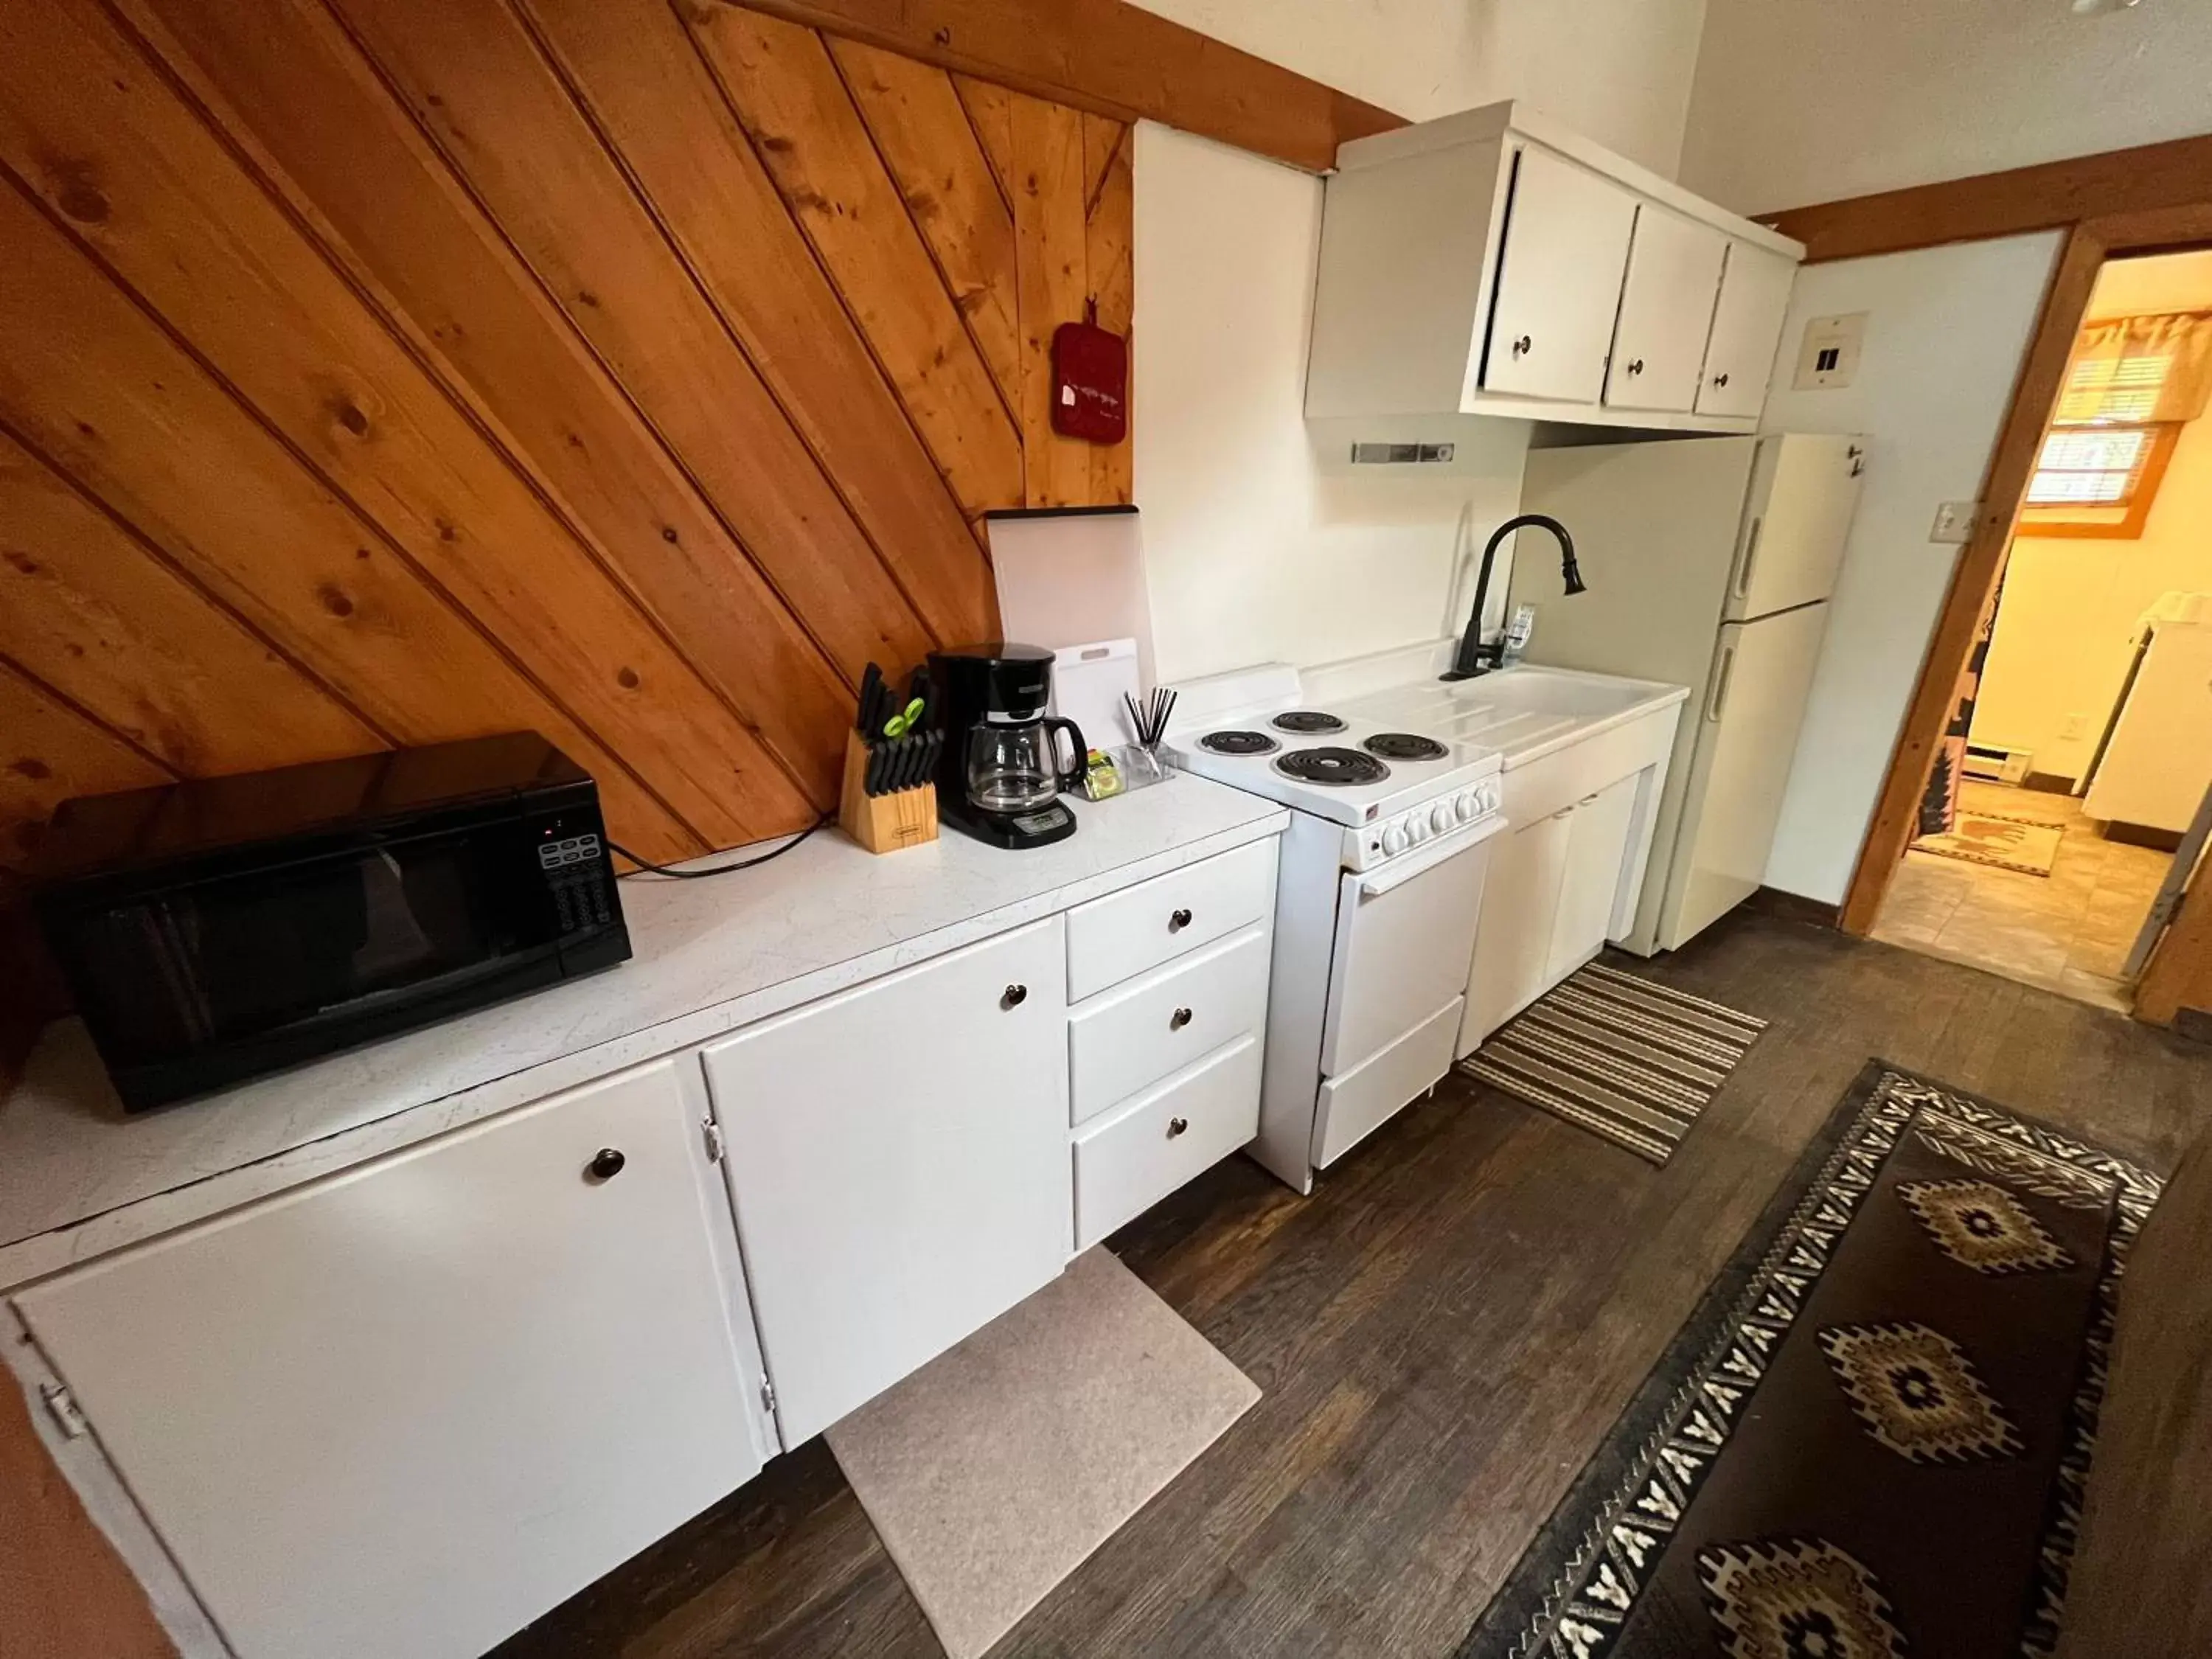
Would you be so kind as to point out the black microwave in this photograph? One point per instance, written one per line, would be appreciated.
(219, 929)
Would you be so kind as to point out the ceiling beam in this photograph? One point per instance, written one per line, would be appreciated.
(1110, 58)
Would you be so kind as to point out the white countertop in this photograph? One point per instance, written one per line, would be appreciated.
(77, 1176)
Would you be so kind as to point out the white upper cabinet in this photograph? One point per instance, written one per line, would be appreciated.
(1558, 280)
(1747, 326)
(1665, 310)
(1494, 262)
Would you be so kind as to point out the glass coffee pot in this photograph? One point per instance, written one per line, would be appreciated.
(1013, 768)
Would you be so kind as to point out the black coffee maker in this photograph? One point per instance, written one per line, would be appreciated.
(999, 777)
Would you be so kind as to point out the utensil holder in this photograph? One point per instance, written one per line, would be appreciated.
(883, 823)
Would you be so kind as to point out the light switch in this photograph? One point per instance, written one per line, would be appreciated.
(1954, 521)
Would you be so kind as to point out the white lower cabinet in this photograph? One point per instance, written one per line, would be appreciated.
(898, 1158)
(1513, 939)
(407, 1408)
(1130, 1160)
(1590, 882)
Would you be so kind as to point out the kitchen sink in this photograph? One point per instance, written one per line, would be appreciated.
(1523, 713)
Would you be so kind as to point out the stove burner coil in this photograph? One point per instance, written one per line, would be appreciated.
(1404, 746)
(1336, 768)
(1239, 742)
(1306, 722)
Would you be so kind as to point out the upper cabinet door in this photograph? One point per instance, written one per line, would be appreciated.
(898, 1154)
(1558, 280)
(407, 1408)
(1666, 312)
(1746, 327)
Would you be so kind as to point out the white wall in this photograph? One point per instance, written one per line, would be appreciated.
(1946, 333)
(1799, 101)
(1617, 70)
(1262, 541)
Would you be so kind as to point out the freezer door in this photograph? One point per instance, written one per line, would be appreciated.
(1804, 489)
(1747, 737)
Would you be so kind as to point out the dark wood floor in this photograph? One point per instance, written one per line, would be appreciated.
(1444, 1331)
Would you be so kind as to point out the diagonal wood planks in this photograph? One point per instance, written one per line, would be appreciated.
(383, 371)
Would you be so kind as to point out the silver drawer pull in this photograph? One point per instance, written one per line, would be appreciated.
(1178, 1019)
(1176, 1126)
(1178, 921)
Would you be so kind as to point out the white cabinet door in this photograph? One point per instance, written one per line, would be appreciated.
(1666, 312)
(1513, 941)
(898, 1155)
(1747, 328)
(407, 1409)
(1558, 280)
(1597, 855)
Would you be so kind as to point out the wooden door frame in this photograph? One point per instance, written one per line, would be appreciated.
(2089, 242)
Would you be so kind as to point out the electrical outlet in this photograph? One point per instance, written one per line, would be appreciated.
(1954, 521)
(2074, 727)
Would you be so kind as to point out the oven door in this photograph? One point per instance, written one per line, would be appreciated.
(1405, 938)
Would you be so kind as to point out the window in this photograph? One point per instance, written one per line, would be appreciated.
(2132, 384)
(2092, 467)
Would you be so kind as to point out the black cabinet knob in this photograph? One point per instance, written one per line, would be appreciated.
(1635, 368)
(1720, 379)
(1015, 996)
(1176, 1126)
(1522, 346)
(605, 1164)
(1178, 1019)
(1178, 921)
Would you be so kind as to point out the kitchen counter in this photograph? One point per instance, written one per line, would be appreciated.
(78, 1177)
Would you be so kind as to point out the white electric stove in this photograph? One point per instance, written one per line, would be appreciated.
(1381, 887)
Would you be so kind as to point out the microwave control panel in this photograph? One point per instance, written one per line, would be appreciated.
(576, 869)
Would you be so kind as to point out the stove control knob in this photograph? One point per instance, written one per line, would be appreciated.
(1394, 840)
(1441, 819)
(1417, 829)
(1468, 805)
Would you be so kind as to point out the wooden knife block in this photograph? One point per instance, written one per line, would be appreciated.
(883, 823)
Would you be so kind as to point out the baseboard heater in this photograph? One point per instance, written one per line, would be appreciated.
(1997, 765)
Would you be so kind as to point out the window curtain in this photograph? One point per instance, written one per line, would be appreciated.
(2135, 370)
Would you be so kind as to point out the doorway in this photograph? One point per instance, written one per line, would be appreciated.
(2079, 743)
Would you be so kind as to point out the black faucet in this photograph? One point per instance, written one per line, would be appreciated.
(1473, 657)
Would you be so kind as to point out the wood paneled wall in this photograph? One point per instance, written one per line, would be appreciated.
(377, 372)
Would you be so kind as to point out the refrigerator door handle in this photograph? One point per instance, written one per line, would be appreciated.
(1750, 557)
(1716, 704)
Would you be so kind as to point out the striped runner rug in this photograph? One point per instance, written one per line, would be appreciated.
(1618, 1055)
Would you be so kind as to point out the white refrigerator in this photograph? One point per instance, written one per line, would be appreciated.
(1709, 563)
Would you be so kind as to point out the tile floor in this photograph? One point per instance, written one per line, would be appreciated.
(2068, 932)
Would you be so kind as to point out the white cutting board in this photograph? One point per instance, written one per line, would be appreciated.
(1066, 578)
(1088, 684)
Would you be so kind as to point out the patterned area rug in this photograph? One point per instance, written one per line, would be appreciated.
(1618, 1055)
(2028, 845)
(1870, 1440)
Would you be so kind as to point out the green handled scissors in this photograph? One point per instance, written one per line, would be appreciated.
(902, 722)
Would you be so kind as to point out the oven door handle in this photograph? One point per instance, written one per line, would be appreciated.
(1400, 871)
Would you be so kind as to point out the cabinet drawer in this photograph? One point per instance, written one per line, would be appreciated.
(1127, 1161)
(1111, 938)
(1137, 1033)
